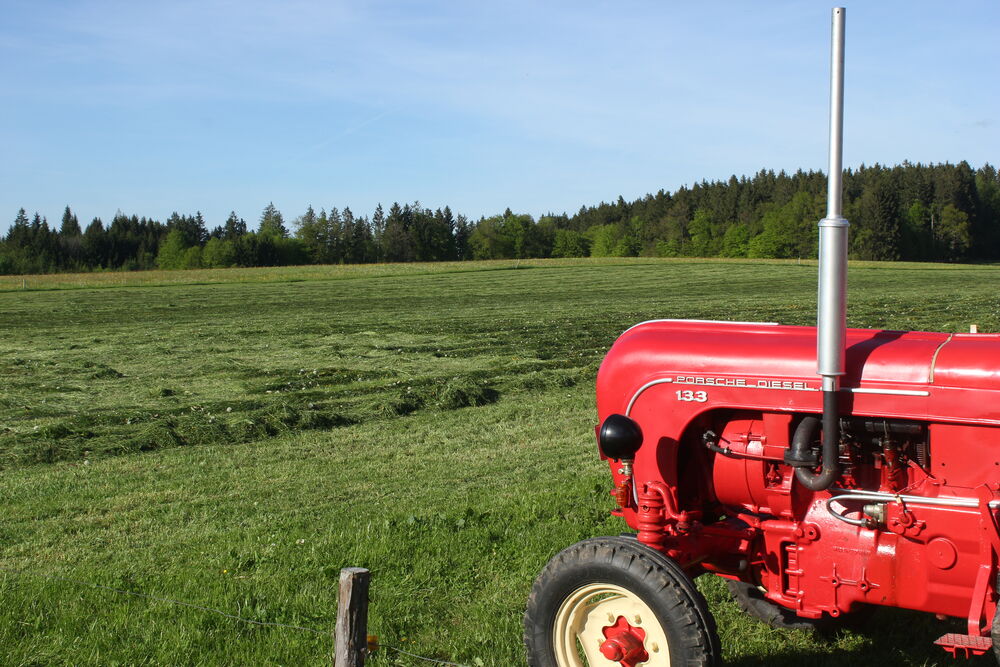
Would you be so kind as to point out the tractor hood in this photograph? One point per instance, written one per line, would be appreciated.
(741, 362)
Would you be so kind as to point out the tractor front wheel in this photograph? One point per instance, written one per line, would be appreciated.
(609, 602)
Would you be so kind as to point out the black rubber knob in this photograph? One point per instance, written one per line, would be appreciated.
(620, 437)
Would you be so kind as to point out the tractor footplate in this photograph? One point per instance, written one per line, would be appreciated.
(964, 646)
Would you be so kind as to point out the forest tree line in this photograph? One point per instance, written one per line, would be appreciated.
(915, 212)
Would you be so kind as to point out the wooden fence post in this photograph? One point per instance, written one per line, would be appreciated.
(351, 636)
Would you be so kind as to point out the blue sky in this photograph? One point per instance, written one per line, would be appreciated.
(151, 107)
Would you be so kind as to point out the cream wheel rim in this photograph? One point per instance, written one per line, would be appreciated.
(585, 613)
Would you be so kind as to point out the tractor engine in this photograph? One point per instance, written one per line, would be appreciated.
(715, 435)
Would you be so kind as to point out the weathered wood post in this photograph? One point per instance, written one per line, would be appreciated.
(351, 635)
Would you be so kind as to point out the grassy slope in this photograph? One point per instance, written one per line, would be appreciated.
(235, 444)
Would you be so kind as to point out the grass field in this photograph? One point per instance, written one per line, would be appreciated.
(233, 438)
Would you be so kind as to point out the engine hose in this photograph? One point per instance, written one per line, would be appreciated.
(802, 441)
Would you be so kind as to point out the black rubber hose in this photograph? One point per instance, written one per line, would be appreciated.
(802, 441)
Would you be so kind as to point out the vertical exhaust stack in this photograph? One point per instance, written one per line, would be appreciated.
(831, 316)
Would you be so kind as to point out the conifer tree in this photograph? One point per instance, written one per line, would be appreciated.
(378, 230)
(235, 227)
(272, 223)
(462, 231)
(362, 241)
(396, 238)
(312, 235)
(19, 235)
(70, 225)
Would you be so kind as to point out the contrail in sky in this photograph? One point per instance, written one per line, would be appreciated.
(347, 132)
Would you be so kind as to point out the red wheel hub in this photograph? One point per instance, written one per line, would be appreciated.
(623, 643)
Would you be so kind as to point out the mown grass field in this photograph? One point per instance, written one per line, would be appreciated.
(233, 438)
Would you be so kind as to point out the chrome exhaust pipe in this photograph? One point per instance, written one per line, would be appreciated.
(831, 315)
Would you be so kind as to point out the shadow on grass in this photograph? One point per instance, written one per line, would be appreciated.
(890, 637)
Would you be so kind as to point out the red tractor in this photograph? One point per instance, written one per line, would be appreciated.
(816, 495)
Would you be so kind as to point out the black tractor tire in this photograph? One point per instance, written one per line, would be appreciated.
(751, 600)
(995, 633)
(582, 587)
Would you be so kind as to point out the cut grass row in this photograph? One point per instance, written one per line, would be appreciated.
(102, 279)
(236, 444)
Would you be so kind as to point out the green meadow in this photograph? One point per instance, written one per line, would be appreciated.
(233, 438)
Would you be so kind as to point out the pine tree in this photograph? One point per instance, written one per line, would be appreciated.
(70, 225)
(362, 242)
(462, 232)
(70, 242)
(19, 235)
(446, 234)
(311, 234)
(94, 244)
(988, 211)
(334, 253)
(235, 227)
(272, 223)
(877, 234)
(192, 228)
(378, 229)
(199, 227)
(347, 236)
(397, 240)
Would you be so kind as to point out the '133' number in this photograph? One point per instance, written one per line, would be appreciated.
(695, 396)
